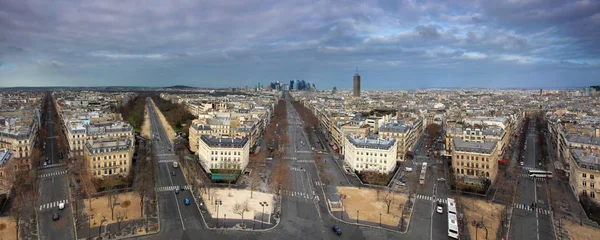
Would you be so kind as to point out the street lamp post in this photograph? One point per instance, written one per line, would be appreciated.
(379, 219)
(224, 217)
(217, 204)
(357, 216)
(263, 205)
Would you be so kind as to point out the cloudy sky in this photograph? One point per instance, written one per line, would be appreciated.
(395, 44)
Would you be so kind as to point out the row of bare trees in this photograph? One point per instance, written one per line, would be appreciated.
(24, 183)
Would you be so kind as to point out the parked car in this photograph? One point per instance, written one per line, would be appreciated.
(403, 179)
(336, 230)
(186, 201)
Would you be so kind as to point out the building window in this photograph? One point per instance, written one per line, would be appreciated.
(591, 176)
(583, 175)
(592, 185)
(584, 193)
(584, 184)
(593, 194)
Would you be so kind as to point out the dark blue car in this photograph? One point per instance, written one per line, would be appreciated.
(336, 229)
(186, 201)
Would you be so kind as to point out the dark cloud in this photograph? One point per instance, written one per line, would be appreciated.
(208, 42)
(428, 32)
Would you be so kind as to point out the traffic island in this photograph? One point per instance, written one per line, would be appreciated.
(235, 209)
(8, 229)
(483, 217)
(370, 207)
(127, 208)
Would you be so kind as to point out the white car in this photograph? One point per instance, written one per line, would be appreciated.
(522, 163)
(61, 206)
(440, 209)
(408, 169)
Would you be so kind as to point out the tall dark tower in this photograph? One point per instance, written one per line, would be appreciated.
(356, 84)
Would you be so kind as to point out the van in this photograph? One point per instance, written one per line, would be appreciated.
(408, 169)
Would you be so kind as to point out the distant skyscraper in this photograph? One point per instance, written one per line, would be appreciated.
(333, 90)
(356, 84)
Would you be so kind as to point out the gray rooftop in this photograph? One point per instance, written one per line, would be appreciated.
(213, 141)
(475, 147)
(394, 127)
(584, 140)
(371, 142)
(586, 157)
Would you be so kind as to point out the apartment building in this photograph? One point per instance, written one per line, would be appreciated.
(18, 133)
(370, 154)
(407, 135)
(584, 166)
(219, 153)
(473, 161)
(108, 157)
(78, 132)
(5, 185)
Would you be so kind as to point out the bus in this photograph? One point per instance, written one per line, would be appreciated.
(451, 206)
(452, 226)
(423, 173)
(540, 174)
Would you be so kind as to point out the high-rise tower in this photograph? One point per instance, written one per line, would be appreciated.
(356, 84)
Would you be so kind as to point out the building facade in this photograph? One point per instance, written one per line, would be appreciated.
(370, 154)
(223, 153)
(107, 157)
(474, 161)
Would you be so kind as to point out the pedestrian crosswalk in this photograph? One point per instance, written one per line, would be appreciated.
(303, 195)
(165, 161)
(297, 169)
(303, 151)
(319, 183)
(305, 161)
(53, 204)
(52, 174)
(53, 165)
(528, 208)
(539, 179)
(430, 198)
(171, 188)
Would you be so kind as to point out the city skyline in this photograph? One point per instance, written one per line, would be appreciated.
(407, 45)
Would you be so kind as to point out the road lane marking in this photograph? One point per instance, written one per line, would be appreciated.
(171, 188)
(53, 204)
(53, 174)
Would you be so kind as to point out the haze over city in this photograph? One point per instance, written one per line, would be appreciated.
(395, 44)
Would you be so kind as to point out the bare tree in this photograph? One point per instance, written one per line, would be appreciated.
(240, 209)
(388, 199)
(279, 178)
(111, 198)
(254, 178)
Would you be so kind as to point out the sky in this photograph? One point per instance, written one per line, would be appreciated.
(395, 44)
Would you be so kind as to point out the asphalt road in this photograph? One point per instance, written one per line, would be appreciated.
(525, 223)
(426, 223)
(175, 216)
(52, 191)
